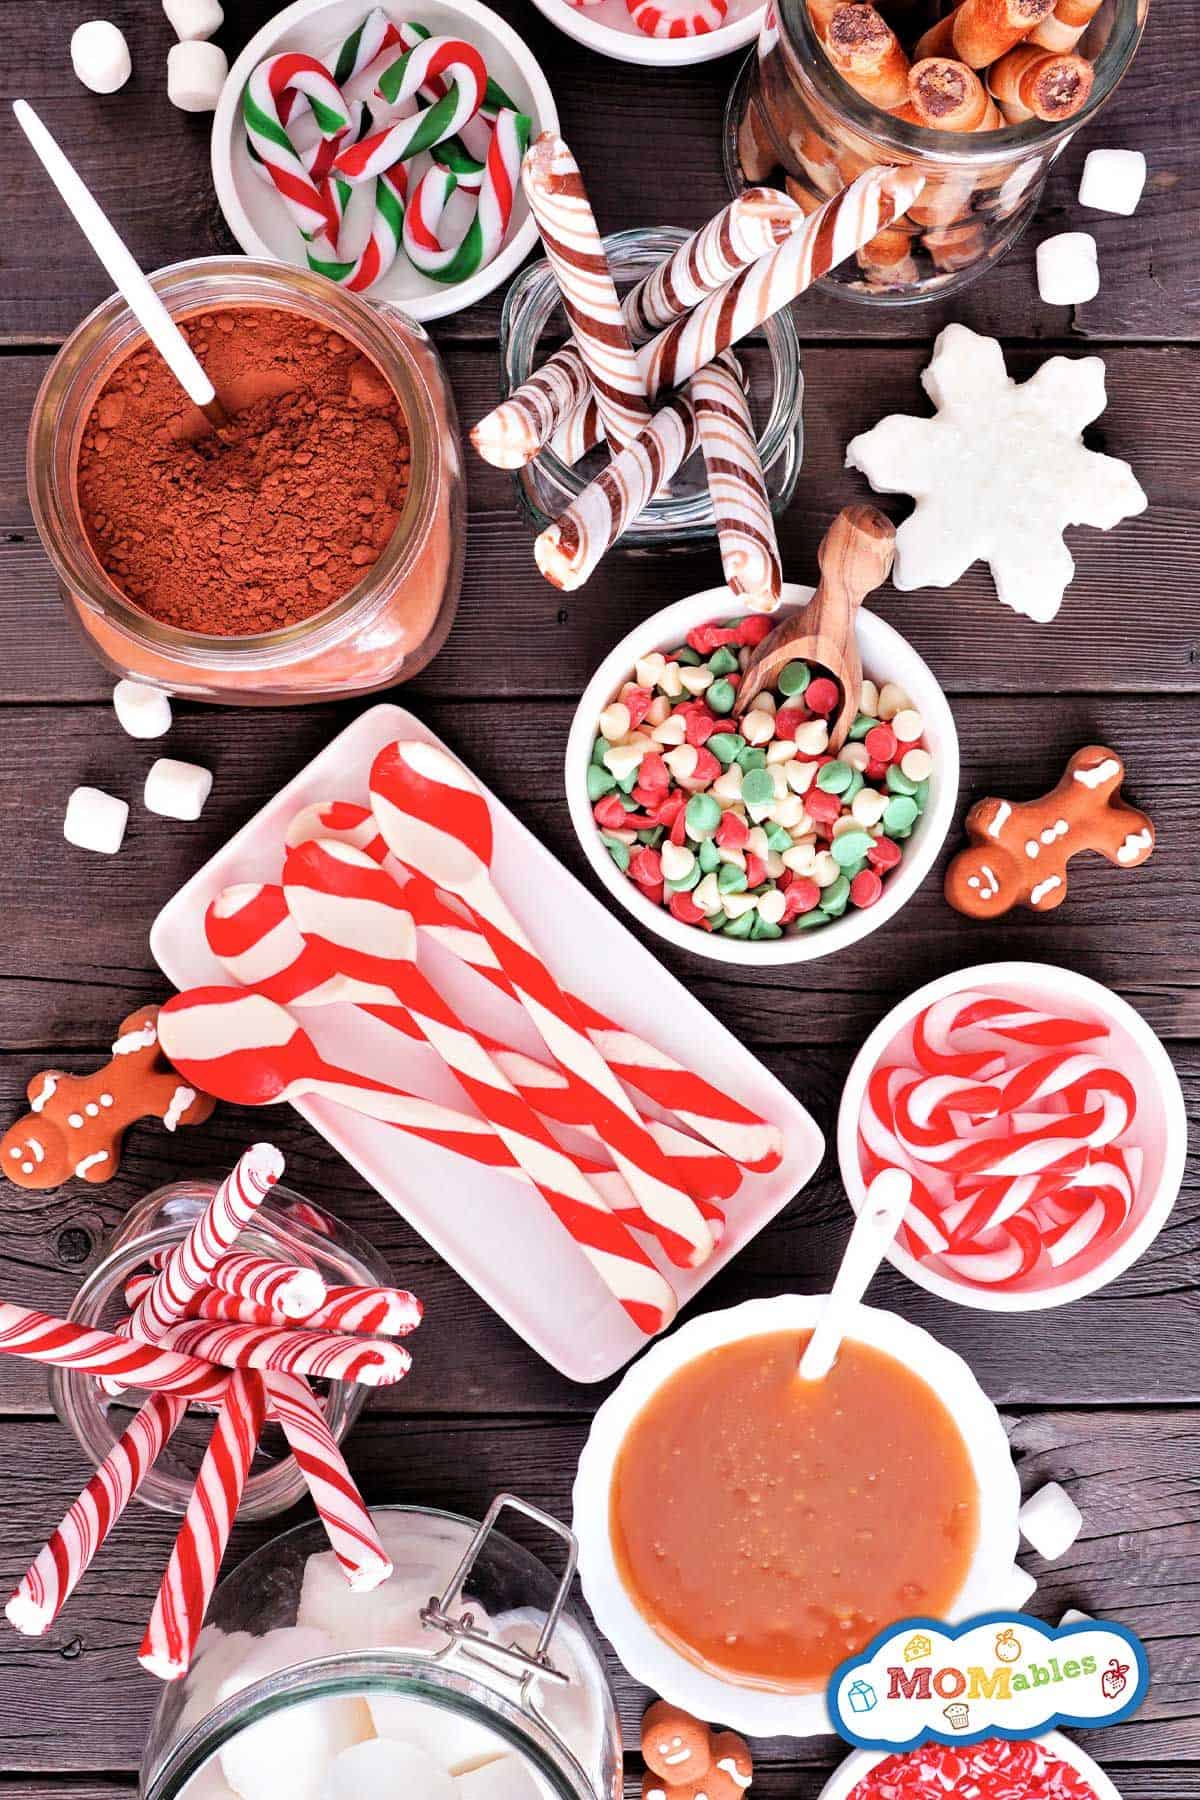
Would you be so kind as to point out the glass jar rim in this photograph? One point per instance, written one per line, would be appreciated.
(1008, 143)
(109, 331)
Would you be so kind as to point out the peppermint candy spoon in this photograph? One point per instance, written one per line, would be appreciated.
(884, 1206)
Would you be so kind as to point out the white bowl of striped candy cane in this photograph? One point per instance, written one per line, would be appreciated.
(391, 224)
(1043, 1123)
(659, 34)
(888, 661)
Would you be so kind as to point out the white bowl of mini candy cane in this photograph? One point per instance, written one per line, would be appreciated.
(252, 208)
(886, 658)
(610, 27)
(1048, 1134)
(858, 1768)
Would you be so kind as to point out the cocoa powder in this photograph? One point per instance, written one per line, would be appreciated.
(269, 520)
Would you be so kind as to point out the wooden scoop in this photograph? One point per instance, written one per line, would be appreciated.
(855, 556)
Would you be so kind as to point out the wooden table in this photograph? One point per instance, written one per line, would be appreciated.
(1103, 1394)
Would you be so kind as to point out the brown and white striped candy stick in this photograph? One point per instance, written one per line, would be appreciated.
(558, 201)
(745, 528)
(568, 550)
(749, 227)
(578, 433)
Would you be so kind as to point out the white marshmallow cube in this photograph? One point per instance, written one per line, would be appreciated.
(1050, 1521)
(1068, 273)
(144, 712)
(455, 1743)
(1073, 1616)
(288, 1752)
(380, 1770)
(507, 1779)
(177, 790)
(1112, 181)
(95, 821)
(191, 20)
(100, 56)
(1018, 1586)
(196, 74)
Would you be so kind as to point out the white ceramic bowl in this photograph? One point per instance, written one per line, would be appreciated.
(1160, 1128)
(254, 212)
(886, 656)
(649, 1658)
(655, 53)
(847, 1775)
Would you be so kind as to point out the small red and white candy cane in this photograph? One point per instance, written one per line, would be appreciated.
(287, 1288)
(52, 1577)
(341, 1508)
(190, 1268)
(480, 242)
(677, 18)
(191, 1574)
(372, 1362)
(40, 1337)
(1000, 1258)
(265, 106)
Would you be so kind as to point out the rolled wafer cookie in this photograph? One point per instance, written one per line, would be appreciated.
(979, 31)
(866, 52)
(1032, 83)
(745, 528)
(1063, 28)
(948, 96)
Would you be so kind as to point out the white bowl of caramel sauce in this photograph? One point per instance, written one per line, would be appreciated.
(741, 1532)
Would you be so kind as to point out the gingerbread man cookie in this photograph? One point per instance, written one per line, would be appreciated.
(686, 1760)
(76, 1122)
(1019, 850)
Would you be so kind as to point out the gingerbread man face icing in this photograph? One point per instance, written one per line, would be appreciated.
(75, 1123)
(1019, 850)
(685, 1760)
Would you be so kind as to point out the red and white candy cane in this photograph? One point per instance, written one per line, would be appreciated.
(413, 783)
(370, 1312)
(40, 1337)
(287, 1288)
(341, 1508)
(191, 1574)
(292, 1350)
(52, 1577)
(355, 912)
(191, 1265)
(265, 106)
(954, 1036)
(743, 1135)
(487, 229)
(460, 66)
(677, 18)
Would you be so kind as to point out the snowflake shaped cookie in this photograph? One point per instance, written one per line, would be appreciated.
(998, 472)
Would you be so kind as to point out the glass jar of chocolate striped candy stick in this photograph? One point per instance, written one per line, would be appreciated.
(532, 325)
(981, 99)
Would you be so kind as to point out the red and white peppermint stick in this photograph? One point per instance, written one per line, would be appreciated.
(191, 1575)
(560, 206)
(265, 106)
(52, 1577)
(40, 1337)
(750, 226)
(354, 910)
(291, 1350)
(568, 550)
(677, 18)
(383, 240)
(742, 1134)
(462, 69)
(341, 1508)
(745, 525)
(486, 231)
(413, 783)
(370, 1311)
(192, 1263)
(286, 1288)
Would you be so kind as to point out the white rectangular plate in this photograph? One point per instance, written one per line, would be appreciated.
(495, 1231)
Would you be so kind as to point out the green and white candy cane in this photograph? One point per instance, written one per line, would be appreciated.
(266, 105)
(493, 212)
(465, 77)
(379, 252)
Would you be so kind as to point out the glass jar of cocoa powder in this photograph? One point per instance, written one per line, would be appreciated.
(793, 118)
(311, 549)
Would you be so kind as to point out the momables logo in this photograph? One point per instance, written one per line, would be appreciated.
(1001, 1675)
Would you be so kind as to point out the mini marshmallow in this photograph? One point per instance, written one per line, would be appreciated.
(1112, 181)
(144, 712)
(1050, 1521)
(1018, 1587)
(191, 20)
(1073, 1616)
(196, 74)
(1068, 273)
(95, 821)
(288, 1752)
(177, 790)
(100, 56)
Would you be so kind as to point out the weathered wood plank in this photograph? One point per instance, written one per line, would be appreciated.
(155, 180)
(1129, 1472)
(550, 642)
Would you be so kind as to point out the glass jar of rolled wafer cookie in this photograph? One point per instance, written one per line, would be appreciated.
(981, 99)
(531, 325)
